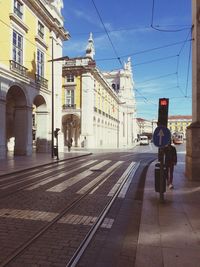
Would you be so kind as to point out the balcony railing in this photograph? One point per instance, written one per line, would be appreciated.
(16, 67)
(18, 12)
(41, 80)
(67, 106)
(41, 34)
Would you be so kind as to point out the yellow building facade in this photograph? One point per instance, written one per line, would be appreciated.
(179, 123)
(32, 34)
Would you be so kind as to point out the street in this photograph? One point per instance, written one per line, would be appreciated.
(46, 212)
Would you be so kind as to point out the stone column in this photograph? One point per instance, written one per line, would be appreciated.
(87, 109)
(3, 142)
(193, 131)
(42, 142)
(23, 131)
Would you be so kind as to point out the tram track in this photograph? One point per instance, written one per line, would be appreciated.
(36, 175)
(84, 244)
(43, 165)
(68, 209)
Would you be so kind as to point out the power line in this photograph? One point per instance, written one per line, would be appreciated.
(113, 47)
(157, 27)
(155, 60)
(178, 60)
(146, 99)
(116, 30)
(159, 77)
(186, 27)
(188, 70)
(145, 51)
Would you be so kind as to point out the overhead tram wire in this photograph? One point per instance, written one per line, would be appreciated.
(145, 51)
(146, 99)
(113, 47)
(155, 60)
(157, 26)
(178, 59)
(188, 70)
(130, 29)
(159, 77)
(110, 31)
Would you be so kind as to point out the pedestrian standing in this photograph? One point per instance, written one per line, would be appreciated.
(69, 144)
(170, 160)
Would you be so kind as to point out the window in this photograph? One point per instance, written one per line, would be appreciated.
(18, 8)
(40, 63)
(17, 48)
(113, 86)
(40, 29)
(70, 78)
(69, 97)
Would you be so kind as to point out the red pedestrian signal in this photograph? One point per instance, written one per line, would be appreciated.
(163, 111)
(163, 102)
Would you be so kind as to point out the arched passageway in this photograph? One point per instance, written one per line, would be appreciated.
(40, 125)
(71, 129)
(18, 122)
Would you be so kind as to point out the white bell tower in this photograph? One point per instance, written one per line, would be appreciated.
(90, 50)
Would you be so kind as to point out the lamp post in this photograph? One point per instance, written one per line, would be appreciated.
(131, 128)
(52, 99)
(120, 103)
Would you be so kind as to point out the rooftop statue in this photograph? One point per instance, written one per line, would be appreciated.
(58, 4)
(90, 50)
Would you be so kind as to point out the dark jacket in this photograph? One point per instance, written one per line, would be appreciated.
(170, 155)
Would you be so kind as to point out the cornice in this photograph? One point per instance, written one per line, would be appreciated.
(41, 41)
(19, 22)
(53, 22)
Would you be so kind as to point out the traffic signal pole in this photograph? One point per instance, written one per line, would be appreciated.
(162, 121)
(162, 175)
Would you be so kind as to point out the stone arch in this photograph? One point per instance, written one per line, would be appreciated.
(40, 125)
(18, 122)
(71, 128)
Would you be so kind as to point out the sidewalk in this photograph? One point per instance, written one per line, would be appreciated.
(17, 163)
(170, 232)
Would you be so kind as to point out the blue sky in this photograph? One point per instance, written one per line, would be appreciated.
(154, 33)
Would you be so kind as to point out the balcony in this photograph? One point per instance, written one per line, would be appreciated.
(41, 34)
(18, 12)
(18, 68)
(69, 106)
(41, 80)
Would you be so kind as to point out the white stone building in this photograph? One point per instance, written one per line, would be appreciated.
(98, 107)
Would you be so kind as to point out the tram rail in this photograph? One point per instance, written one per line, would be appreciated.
(68, 209)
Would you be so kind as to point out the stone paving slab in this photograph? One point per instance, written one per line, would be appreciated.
(170, 232)
(17, 163)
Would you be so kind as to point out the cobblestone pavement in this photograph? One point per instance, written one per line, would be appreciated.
(27, 211)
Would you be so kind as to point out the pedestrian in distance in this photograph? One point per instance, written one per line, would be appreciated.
(69, 145)
(170, 160)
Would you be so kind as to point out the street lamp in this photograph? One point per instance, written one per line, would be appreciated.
(52, 100)
(131, 125)
(120, 103)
